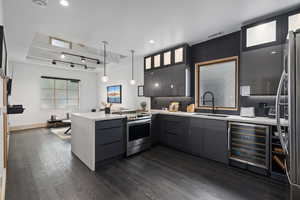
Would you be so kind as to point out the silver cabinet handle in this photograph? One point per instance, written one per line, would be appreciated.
(229, 138)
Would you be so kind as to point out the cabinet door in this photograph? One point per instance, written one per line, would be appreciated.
(261, 69)
(148, 84)
(155, 129)
(175, 131)
(196, 137)
(178, 81)
(216, 140)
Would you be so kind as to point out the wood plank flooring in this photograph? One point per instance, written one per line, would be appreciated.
(41, 166)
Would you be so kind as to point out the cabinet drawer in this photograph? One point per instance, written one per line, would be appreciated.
(103, 152)
(109, 124)
(106, 136)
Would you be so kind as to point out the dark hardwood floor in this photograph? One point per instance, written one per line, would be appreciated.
(41, 166)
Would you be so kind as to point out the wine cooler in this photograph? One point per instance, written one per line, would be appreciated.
(248, 145)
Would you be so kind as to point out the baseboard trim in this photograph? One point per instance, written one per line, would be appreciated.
(27, 127)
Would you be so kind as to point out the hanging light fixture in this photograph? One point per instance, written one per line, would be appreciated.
(132, 81)
(104, 77)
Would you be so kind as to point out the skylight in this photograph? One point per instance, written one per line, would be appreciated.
(60, 43)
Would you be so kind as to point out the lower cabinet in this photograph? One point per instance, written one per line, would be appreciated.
(155, 129)
(208, 138)
(215, 143)
(174, 131)
(109, 139)
(201, 137)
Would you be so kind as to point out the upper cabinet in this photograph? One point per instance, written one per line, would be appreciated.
(269, 32)
(172, 56)
(262, 34)
(167, 73)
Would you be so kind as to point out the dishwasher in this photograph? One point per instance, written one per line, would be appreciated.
(248, 147)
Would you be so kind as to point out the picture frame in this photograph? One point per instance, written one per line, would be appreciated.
(140, 89)
(114, 94)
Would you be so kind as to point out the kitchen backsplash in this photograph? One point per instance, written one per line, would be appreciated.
(260, 103)
(163, 102)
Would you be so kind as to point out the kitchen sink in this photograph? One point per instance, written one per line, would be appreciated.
(211, 115)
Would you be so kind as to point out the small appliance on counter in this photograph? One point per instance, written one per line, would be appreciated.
(272, 112)
(174, 107)
(190, 108)
(247, 112)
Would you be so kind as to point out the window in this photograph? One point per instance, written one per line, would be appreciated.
(294, 22)
(261, 34)
(148, 63)
(167, 58)
(57, 93)
(179, 55)
(60, 43)
(216, 85)
(157, 60)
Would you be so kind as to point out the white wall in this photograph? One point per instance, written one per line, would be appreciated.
(26, 91)
(1, 12)
(121, 74)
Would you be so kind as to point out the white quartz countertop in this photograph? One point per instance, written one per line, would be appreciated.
(232, 118)
(98, 116)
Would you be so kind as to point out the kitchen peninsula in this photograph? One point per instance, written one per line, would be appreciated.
(97, 137)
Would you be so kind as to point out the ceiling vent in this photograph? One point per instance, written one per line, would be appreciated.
(215, 34)
(41, 3)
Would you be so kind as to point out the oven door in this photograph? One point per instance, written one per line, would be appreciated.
(138, 132)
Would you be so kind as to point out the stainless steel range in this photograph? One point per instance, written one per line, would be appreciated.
(138, 132)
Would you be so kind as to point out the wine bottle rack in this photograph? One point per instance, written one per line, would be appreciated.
(249, 143)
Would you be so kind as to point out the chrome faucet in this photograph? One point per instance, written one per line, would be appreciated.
(204, 101)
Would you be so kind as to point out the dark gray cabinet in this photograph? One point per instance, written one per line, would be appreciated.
(167, 81)
(196, 137)
(155, 129)
(261, 69)
(215, 142)
(174, 131)
(208, 138)
(109, 139)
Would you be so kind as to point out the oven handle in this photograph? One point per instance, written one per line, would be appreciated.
(139, 122)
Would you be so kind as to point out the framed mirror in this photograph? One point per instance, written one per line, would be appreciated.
(216, 84)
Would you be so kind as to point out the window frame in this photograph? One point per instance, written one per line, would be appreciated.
(54, 91)
(197, 83)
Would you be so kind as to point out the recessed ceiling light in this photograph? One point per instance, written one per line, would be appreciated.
(83, 59)
(151, 41)
(64, 3)
(62, 56)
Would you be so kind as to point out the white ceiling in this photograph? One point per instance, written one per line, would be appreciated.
(129, 24)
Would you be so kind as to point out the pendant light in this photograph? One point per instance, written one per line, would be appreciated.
(104, 77)
(132, 81)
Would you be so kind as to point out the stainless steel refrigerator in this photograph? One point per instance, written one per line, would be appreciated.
(288, 107)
